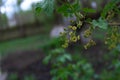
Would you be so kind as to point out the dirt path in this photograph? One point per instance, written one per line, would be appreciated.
(26, 63)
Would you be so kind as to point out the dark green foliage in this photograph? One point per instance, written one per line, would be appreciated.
(69, 9)
(88, 10)
(38, 9)
(3, 21)
(30, 77)
(111, 5)
(65, 10)
(52, 44)
(112, 72)
(66, 66)
(46, 6)
(101, 23)
(13, 76)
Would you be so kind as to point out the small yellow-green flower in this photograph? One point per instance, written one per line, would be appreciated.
(79, 24)
(106, 42)
(86, 46)
(62, 33)
(65, 29)
(65, 45)
(74, 28)
(71, 21)
(78, 37)
(70, 27)
(89, 44)
(81, 15)
(67, 41)
(87, 33)
(73, 39)
(112, 46)
(92, 42)
(70, 33)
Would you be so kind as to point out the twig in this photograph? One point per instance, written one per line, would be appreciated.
(114, 24)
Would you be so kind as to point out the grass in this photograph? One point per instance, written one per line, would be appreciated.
(33, 42)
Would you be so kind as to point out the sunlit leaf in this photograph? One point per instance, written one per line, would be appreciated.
(100, 23)
(89, 10)
(46, 6)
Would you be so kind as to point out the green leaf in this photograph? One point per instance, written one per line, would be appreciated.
(89, 10)
(76, 7)
(100, 23)
(54, 78)
(65, 10)
(68, 57)
(29, 77)
(116, 63)
(64, 58)
(57, 51)
(118, 47)
(38, 9)
(47, 6)
(111, 5)
(47, 59)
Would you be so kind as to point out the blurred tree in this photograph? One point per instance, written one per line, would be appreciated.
(3, 21)
(37, 21)
(3, 18)
(19, 2)
(19, 19)
(0, 8)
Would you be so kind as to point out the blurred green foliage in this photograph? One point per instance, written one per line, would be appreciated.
(3, 21)
(66, 65)
(75, 66)
(13, 76)
(33, 42)
(29, 77)
(100, 23)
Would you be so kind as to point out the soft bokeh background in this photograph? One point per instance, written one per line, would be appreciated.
(25, 31)
(21, 26)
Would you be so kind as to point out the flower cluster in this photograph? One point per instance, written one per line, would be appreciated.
(89, 44)
(71, 30)
(110, 15)
(79, 24)
(113, 37)
(88, 32)
(70, 34)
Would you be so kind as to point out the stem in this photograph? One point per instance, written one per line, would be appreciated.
(114, 24)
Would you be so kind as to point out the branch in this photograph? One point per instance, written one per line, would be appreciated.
(114, 24)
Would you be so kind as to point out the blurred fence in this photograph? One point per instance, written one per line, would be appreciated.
(21, 31)
(22, 24)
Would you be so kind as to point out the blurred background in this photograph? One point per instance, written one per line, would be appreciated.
(19, 21)
(26, 35)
